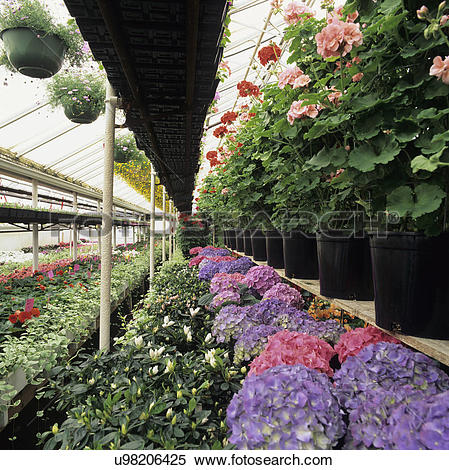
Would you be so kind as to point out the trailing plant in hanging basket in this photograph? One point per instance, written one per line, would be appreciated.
(125, 150)
(81, 95)
(34, 43)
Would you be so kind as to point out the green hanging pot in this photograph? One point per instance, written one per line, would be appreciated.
(35, 54)
(80, 115)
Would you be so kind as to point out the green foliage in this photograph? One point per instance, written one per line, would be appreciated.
(166, 385)
(192, 231)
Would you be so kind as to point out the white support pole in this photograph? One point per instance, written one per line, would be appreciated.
(125, 228)
(170, 234)
(152, 217)
(115, 229)
(134, 234)
(75, 228)
(106, 246)
(99, 228)
(34, 193)
(163, 222)
(175, 226)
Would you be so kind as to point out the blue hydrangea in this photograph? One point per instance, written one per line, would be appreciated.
(421, 424)
(274, 312)
(385, 366)
(230, 323)
(328, 330)
(240, 265)
(211, 252)
(287, 408)
(253, 341)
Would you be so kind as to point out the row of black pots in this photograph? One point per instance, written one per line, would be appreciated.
(405, 273)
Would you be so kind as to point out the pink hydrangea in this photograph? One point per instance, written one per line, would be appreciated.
(338, 38)
(440, 69)
(294, 10)
(196, 261)
(352, 342)
(287, 294)
(223, 282)
(298, 111)
(196, 250)
(221, 258)
(290, 348)
(225, 296)
(261, 278)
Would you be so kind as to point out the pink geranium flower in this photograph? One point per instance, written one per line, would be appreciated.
(338, 38)
(294, 10)
(289, 75)
(298, 111)
(357, 77)
(440, 69)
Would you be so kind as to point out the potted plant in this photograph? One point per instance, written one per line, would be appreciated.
(125, 150)
(82, 95)
(35, 45)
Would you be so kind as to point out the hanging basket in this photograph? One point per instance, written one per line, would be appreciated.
(80, 116)
(34, 54)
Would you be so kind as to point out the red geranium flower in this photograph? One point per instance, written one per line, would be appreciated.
(228, 117)
(220, 131)
(246, 88)
(13, 317)
(270, 53)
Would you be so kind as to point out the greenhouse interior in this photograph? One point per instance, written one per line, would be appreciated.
(224, 226)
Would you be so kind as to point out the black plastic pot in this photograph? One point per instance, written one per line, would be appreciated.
(232, 240)
(411, 283)
(239, 240)
(247, 246)
(300, 256)
(259, 245)
(225, 237)
(74, 114)
(37, 55)
(275, 249)
(344, 265)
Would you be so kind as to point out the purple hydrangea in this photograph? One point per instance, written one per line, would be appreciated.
(287, 408)
(328, 330)
(385, 366)
(240, 265)
(211, 252)
(221, 283)
(225, 296)
(253, 341)
(208, 270)
(273, 312)
(421, 424)
(262, 278)
(285, 293)
(230, 323)
(368, 423)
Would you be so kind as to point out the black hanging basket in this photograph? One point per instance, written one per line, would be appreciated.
(411, 283)
(344, 267)
(259, 245)
(275, 250)
(33, 53)
(300, 255)
(81, 116)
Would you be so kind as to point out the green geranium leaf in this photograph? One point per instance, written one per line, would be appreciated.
(428, 199)
(365, 102)
(422, 163)
(435, 88)
(368, 126)
(401, 201)
(406, 130)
